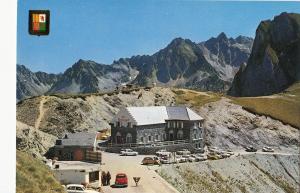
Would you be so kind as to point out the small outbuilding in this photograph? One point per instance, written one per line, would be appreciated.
(77, 172)
(80, 146)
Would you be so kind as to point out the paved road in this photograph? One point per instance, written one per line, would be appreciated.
(150, 181)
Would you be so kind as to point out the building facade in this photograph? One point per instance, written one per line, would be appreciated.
(76, 172)
(150, 125)
(80, 146)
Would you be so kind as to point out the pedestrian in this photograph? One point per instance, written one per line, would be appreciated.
(103, 178)
(108, 177)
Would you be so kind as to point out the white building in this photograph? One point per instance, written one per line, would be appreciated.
(76, 172)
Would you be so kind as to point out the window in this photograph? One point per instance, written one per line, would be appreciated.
(71, 188)
(164, 136)
(156, 137)
(129, 124)
(128, 138)
(195, 124)
(168, 124)
(79, 188)
(149, 138)
(142, 139)
(180, 134)
(174, 124)
(118, 124)
(195, 134)
(181, 124)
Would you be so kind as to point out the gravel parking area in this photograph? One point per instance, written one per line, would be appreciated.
(150, 181)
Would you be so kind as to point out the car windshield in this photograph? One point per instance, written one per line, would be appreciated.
(121, 176)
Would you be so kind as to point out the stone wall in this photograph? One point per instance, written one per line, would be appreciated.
(151, 150)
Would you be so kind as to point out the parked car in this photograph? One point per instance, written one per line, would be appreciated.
(191, 159)
(150, 161)
(121, 180)
(267, 149)
(250, 149)
(213, 149)
(230, 152)
(183, 152)
(180, 159)
(129, 152)
(162, 152)
(78, 188)
(225, 155)
(165, 160)
(200, 157)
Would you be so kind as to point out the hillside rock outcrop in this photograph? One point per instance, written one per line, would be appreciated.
(274, 63)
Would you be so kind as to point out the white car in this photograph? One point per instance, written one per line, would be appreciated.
(165, 161)
(163, 152)
(191, 159)
(267, 149)
(179, 159)
(129, 152)
(200, 157)
(184, 152)
(77, 188)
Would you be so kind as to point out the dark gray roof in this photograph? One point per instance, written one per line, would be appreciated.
(79, 139)
(182, 113)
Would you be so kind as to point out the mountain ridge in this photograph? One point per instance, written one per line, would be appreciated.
(182, 63)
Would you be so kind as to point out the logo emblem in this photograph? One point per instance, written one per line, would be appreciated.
(39, 22)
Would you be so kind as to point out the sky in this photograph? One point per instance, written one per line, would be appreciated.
(106, 30)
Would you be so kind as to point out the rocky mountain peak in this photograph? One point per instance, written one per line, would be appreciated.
(274, 62)
(222, 37)
(177, 42)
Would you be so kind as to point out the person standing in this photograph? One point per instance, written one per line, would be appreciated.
(103, 178)
(108, 177)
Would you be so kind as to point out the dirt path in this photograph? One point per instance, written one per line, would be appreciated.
(150, 181)
(41, 113)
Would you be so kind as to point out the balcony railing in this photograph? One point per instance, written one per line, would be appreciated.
(152, 144)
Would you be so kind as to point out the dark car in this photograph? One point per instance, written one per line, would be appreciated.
(121, 180)
(250, 149)
(150, 161)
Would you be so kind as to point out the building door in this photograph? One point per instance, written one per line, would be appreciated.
(171, 135)
(118, 138)
(93, 176)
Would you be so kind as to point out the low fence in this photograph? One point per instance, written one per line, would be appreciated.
(153, 144)
(93, 156)
(151, 148)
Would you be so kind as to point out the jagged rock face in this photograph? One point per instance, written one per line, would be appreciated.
(89, 76)
(209, 65)
(182, 64)
(227, 54)
(274, 63)
(33, 84)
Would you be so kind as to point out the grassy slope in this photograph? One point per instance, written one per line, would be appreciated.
(195, 98)
(284, 106)
(34, 177)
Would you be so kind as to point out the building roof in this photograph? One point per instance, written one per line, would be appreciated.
(79, 139)
(76, 165)
(159, 114)
(148, 115)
